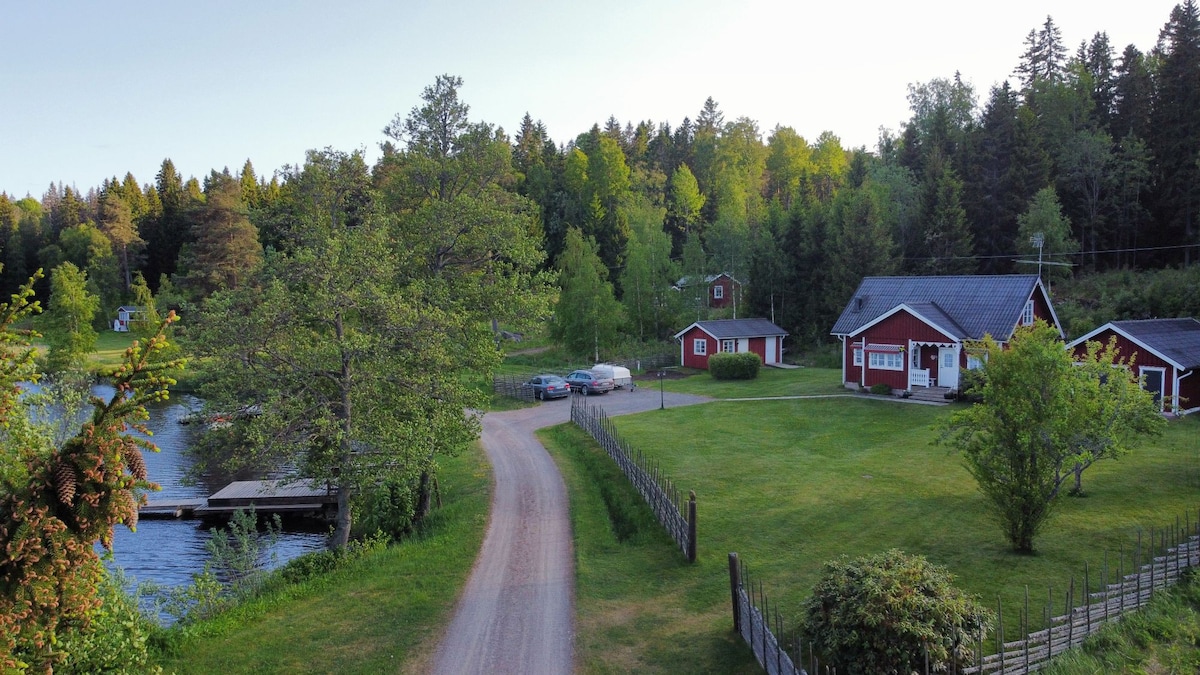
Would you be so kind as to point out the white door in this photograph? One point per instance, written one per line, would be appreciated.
(947, 375)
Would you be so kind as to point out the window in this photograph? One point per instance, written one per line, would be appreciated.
(886, 361)
(857, 356)
(718, 292)
(729, 346)
(1027, 314)
(974, 362)
(699, 346)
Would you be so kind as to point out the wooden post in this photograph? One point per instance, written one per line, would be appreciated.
(691, 547)
(734, 579)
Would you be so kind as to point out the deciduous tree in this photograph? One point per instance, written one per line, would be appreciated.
(1043, 420)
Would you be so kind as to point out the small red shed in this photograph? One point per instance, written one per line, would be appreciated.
(1166, 353)
(704, 338)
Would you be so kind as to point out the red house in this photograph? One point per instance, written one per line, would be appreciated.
(914, 333)
(1166, 353)
(704, 338)
(723, 289)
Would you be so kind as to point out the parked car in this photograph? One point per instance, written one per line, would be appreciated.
(586, 382)
(619, 374)
(548, 386)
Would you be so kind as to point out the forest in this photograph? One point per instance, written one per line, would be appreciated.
(1095, 150)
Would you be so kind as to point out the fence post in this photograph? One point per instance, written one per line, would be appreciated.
(691, 547)
(734, 577)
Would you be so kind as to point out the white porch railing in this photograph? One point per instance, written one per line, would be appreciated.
(918, 377)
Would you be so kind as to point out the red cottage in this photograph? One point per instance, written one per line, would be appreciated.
(702, 339)
(1166, 353)
(912, 333)
(723, 290)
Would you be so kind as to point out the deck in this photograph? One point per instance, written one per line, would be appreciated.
(268, 497)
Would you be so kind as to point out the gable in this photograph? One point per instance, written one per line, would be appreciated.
(1175, 341)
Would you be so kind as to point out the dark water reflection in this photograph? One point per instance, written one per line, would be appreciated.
(169, 552)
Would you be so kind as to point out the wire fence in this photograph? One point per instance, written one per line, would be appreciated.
(1156, 562)
(666, 500)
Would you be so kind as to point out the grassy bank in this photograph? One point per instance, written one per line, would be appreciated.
(384, 613)
(792, 484)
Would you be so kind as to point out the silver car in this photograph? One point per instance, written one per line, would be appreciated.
(586, 382)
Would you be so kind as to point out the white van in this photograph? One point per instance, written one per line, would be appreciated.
(619, 374)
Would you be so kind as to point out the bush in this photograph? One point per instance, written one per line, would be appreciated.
(881, 389)
(876, 614)
(115, 638)
(739, 366)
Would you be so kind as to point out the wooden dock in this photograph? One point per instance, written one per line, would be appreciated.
(301, 498)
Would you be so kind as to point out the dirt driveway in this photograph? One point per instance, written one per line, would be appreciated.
(516, 614)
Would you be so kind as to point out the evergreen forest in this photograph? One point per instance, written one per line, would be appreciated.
(1088, 160)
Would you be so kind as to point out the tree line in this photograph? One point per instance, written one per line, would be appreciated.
(1088, 157)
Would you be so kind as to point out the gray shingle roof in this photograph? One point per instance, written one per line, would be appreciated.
(1177, 339)
(973, 306)
(725, 329)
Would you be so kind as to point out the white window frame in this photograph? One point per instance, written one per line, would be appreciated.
(718, 292)
(700, 347)
(729, 346)
(1027, 314)
(886, 361)
(975, 362)
(858, 361)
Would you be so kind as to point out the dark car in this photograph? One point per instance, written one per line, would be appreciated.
(548, 386)
(586, 382)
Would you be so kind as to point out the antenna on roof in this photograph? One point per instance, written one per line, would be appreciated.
(1039, 240)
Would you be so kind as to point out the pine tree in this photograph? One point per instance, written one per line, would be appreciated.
(226, 251)
(1175, 130)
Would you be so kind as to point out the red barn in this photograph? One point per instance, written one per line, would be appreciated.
(913, 333)
(1166, 353)
(704, 338)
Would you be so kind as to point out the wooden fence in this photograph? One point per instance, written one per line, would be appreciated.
(1156, 562)
(513, 386)
(659, 491)
(754, 621)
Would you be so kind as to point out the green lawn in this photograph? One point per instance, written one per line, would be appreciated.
(791, 484)
(382, 615)
(770, 382)
(110, 349)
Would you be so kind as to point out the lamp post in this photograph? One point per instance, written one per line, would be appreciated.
(662, 401)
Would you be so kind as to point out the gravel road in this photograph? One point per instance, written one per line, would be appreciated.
(516, 614)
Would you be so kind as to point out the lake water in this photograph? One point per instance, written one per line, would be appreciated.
(169, 552)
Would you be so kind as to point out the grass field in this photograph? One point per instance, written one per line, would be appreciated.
(792, 484)
(381, 615)
(770, 382)
(110, 349)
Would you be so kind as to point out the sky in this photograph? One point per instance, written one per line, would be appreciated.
(95, 90)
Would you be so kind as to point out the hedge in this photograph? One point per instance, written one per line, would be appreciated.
(730, 366)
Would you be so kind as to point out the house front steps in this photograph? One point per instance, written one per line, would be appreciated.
(930, 394)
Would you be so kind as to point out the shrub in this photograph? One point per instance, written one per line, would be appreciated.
(881, 388)
(730, 366)
(876, 614)
(115, 637)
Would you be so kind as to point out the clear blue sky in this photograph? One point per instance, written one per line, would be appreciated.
(93, 90)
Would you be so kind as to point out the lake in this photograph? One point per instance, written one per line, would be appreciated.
(169, 552)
